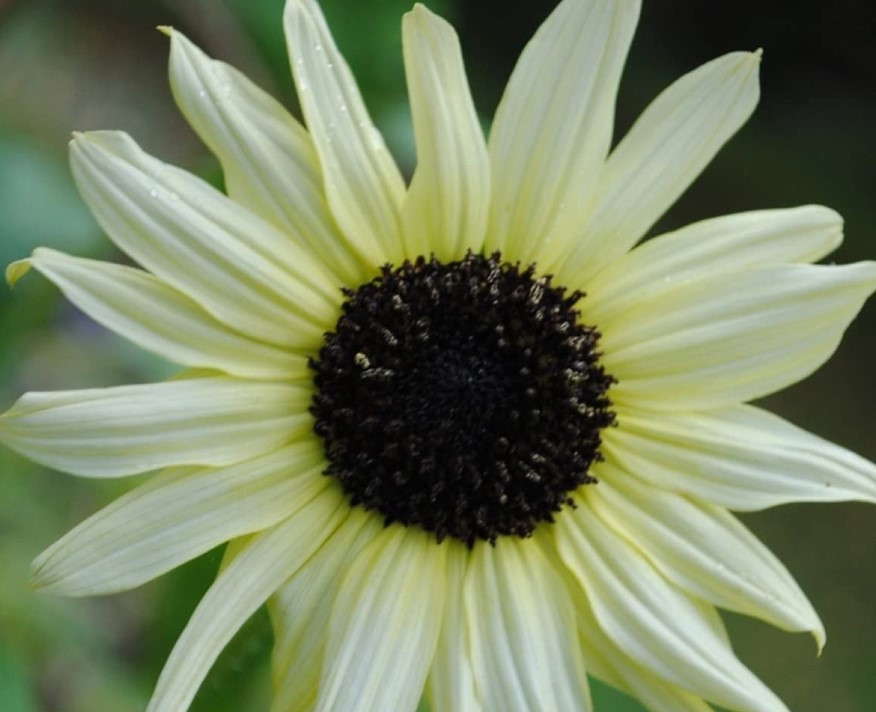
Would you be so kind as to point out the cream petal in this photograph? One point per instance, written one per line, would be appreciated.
(604, 660)
(268, 159)
(711, 247)
(653, 622)
(301, 611)
(445, 210)
(258, 570)
(607, 662)
(704, 550)
(113, 432)
(730, 338)
(451, 684)
(175, 517)
(667, 148)
(553, 126)
(157, 317)
(740, 457)
(655, 694)
(525, 654)
(239, 268)
(362, 182)
(384, 625)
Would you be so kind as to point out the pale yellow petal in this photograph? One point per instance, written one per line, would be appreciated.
(654, 623)
(384, 624)
(125, 430)
(268, 159)
(553, 126)
(524, 649)
(178, 515)
(258, 570)
(704, 550)
(715, 341)
(740, 457)
(451, 684)
(238, 267)
(163, 320)
(445, 211)
(301, 613)
(362, 182)
(667, 148)
(610, 664)
(711, 248)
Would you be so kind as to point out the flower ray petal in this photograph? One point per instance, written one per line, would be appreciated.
(451, 685)
(362, 182)
(160, 319)
(175, 517)
(445, 210)
(610, 664)
(553, 127)
(524, 650)
(384, 625)
(249, 579)
(664, 151)
(605, 661)
(728, 243)
(654, 623)
(740, 457)
(238, 267)
(744, 334)
(301, 610)
(268, 158)
(704, 550)
(126, 430)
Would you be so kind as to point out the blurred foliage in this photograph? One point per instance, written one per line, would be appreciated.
(100, 64)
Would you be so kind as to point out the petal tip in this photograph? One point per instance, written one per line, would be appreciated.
(16, 270)
(820, 639)
(750, 61)
(80, 139)
(104, 141)
(741, 63)
(166, 30)
(419, 10)
(294, 8)
(867, 270)
(827, 214)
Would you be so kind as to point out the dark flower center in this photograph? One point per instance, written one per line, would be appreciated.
(464, 398)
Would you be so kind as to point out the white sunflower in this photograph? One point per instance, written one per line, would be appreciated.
(406, 470)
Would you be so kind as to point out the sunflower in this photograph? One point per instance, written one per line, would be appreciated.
(463, 436)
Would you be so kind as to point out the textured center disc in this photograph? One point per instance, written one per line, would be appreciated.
(464, 398)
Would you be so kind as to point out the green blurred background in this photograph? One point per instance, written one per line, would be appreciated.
(93, 64)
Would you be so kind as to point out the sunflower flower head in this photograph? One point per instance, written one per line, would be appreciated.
(465, 436)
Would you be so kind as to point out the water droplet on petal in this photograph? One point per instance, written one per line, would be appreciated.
(376, 140)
